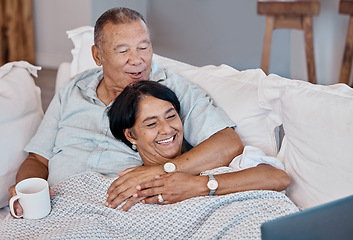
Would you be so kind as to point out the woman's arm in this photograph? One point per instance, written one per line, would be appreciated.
(176, 187)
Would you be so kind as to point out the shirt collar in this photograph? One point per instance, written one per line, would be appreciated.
(157, 73)
(89, 80)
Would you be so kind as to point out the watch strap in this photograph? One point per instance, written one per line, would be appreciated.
(212, 184)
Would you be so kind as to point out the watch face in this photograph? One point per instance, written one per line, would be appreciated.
(212, 184)
(169, 167)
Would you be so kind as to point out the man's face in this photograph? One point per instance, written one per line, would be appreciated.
(125, 53)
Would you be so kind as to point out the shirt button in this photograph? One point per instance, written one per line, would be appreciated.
(90, 166)
(99, 149)
(100, 132)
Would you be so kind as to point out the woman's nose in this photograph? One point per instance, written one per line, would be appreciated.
(165, 128)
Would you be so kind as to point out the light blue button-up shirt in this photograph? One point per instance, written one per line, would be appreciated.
(75, 136)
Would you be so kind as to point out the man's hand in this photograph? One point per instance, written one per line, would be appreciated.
(174, 187)
(17, 207)
(125, 186)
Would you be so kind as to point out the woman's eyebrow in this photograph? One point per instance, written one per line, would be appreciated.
(154, 117)
(169, 110)
(149, 118)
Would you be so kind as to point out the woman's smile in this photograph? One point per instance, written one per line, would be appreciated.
(166, 141)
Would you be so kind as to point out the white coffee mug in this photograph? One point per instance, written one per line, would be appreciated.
(33, 196)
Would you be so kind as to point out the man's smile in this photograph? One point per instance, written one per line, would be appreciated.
(135, 75)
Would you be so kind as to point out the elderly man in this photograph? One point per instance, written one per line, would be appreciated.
(74, 135)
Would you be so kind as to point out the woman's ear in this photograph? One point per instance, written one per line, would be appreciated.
(129, 135)
(96, 54)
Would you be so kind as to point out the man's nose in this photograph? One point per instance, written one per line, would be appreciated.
(134, 58)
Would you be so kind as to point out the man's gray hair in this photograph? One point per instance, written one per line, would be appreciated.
(118, 15)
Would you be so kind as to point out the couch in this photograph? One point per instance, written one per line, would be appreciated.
(317, 120)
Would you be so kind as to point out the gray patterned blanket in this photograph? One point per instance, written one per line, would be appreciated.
(78, 212)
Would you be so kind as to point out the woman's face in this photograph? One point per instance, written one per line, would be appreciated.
(158, 131)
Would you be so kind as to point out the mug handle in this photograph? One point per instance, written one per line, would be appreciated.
(12, 201)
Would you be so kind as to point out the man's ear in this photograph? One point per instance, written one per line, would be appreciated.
(96, 54)
(129, 135)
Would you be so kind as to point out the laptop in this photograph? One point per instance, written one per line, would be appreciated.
(333, 220)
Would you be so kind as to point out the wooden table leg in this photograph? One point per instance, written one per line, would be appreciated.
(266, 51)
(347, 55)
(309, 48)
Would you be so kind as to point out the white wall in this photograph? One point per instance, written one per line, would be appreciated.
(208, 31)
(99, 6)
(202, 32)
(214, 32)
(52, 19)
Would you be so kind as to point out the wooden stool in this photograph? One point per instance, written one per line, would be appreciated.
(289, 15)
(346, 7)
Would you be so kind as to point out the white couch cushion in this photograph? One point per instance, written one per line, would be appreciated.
(237, 93)
(21, 113)
(82, 60)
(82, 38)
(317, 147)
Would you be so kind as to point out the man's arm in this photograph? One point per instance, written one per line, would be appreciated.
(218, 150)
(34, 166)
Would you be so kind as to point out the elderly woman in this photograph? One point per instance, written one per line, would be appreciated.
(145, 116)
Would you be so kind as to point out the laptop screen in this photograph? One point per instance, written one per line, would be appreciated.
(332, 220)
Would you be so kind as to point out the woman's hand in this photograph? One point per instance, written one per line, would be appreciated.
(173, 187)
(125, 186)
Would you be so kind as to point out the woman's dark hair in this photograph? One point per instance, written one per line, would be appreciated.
(122, 114)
